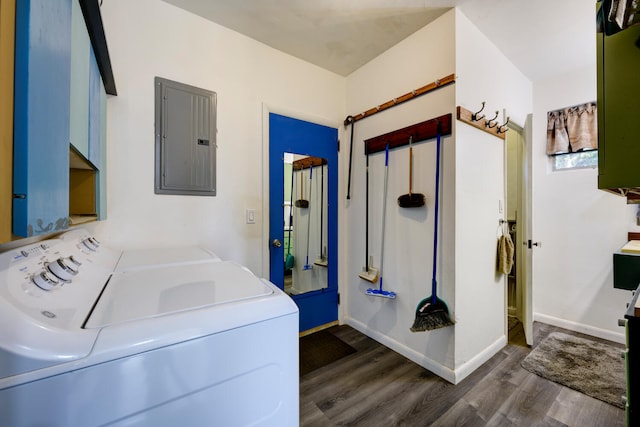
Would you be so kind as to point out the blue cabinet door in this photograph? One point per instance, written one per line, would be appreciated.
(80, 53)
(41, 117)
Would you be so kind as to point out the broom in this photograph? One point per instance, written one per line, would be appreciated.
(411, 200)
(302, 203)
(432, 312)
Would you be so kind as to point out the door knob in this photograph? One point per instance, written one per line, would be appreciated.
(276, 243)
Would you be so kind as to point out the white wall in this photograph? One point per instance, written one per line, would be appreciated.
(149, 38)
(572, 276)
(472, 185)
(579, 226)
(484, 74)
(423, 57)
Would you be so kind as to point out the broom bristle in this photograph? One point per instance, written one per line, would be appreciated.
(412, 200)
(431, 322)
(304, 204)
(430, 316)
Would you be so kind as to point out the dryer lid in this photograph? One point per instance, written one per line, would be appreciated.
(143, 294)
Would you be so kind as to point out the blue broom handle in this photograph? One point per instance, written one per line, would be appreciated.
(434, 283)
(309, 211)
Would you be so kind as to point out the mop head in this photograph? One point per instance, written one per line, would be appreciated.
(322, 262)
(430, 316)
(370, 275)
(381, 293)
(412, 200)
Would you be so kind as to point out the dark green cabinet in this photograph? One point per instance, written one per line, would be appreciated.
(618, 68)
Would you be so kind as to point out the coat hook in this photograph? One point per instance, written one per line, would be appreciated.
(475, 117)
(503, 127)
(492, 123)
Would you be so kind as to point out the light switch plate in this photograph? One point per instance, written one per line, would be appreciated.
(251, 216)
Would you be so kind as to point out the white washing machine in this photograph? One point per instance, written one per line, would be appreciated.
(90, 336)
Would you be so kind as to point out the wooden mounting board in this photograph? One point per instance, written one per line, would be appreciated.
(420, 132)
(307, 162)
(445, 81)
(466, 116)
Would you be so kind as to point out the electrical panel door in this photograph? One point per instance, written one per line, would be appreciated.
(185, 133)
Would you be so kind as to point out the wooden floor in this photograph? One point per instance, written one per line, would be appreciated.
(377, 387)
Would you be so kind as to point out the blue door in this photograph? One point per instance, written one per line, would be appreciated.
(303, 226)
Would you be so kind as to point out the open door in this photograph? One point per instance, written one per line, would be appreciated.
(303, 243)
(519, 220)
(527, 264)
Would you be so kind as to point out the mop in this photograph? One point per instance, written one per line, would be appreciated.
(369, 273)
(302, 202)
(308, 266)
(381, 292)
(322, 261)
(290, 261)
(432, 312)
(411, 200)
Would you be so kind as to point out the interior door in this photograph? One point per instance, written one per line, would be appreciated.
(527, 267)
(303, 191)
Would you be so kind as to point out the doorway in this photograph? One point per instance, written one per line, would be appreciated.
(303, 184)
(518, 217)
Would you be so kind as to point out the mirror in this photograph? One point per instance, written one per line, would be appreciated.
(305, 223)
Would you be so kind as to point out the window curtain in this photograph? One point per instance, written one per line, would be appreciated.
(572, 129)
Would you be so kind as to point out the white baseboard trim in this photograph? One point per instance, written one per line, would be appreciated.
(582, 328)
(467, 368)
(444, 372)
(427, 363)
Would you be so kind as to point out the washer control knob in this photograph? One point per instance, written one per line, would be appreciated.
(45, 280)
(75, 261)
(91, 243)
(63, 269)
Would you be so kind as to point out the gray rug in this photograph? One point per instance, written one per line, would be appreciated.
(590, 367)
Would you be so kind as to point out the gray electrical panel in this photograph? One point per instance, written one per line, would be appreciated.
(185, 139)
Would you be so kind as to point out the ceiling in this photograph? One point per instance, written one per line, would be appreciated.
(542, 38)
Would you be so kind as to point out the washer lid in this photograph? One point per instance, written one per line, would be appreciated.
(163, 257)
(155, 292)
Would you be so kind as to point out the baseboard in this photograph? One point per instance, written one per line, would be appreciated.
(467, 368)
(447, 374)
(429, 364)
(582, 328)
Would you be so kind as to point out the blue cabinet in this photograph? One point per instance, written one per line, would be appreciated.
(60, 110)
(41, 116)
(80, 63)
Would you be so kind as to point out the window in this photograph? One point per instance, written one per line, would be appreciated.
(572, 137)
(584, 159)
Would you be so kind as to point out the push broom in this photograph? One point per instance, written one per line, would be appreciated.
(302, 203)
(369, 272)
(432, 312)
(411, 200)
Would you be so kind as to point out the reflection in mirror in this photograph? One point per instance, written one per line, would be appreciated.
(305, 223)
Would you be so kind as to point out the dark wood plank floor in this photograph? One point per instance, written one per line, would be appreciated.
(378, 387)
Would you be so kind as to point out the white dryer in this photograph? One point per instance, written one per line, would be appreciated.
(90, 336)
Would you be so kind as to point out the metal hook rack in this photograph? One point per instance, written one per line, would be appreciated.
(493, 122)
(503, 127)
(482, 123)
